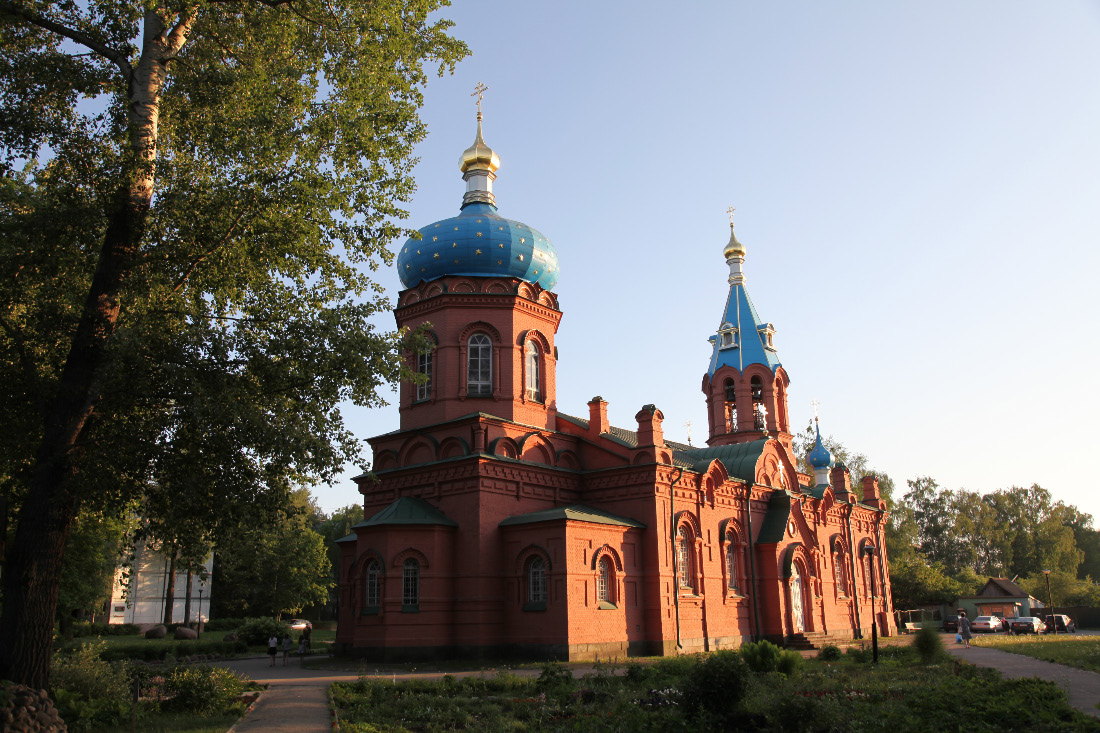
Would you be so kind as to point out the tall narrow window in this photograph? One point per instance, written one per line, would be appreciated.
(839, 574)
(731, 562)
(866, 574)
(683, 557)
(603, 581)
(536, 581)
(424, 366)
(531, 352)
(410, 584)
(372, 595)
(758, 410)
(479, 370)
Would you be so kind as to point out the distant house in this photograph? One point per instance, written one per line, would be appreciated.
(1000, 597)
(143, 601)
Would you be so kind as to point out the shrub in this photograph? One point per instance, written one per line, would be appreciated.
(761, 656)
(858, 654)
(829, 653)
(928, 644)
(88, 690)
(789, 663)
(555, 676)
(203, 689)
(224, 624)
(86, 628)
(256, 631)
(715, 689)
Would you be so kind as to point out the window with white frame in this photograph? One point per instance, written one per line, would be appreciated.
(536, 580)
(731, 562)
(866, 574)
(605, 581)
(531, 352)
(840, 573)
(683, 558)
(372, 595)
(479, 370)
(424, 366)
(410, 583)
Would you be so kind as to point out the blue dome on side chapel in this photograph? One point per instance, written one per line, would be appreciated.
(482, 243)
(819, 456)
(479, 241)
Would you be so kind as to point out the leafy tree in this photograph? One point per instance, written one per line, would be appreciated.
(275, 568)
(97, 544)
(191, 196)
(858, 464)
(333, 527)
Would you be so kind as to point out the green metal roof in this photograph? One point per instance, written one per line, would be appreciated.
(575, 513)
(408, 510)
(740, 459)
(775, 521)
(350, 538)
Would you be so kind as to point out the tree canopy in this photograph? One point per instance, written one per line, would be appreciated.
(192, 197)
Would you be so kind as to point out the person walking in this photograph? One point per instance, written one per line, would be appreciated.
(302, 649)
(273, 648)
(964, 629)
(287, 644)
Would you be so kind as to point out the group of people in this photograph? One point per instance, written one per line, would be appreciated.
(287, 645)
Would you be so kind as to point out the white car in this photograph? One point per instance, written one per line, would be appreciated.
(986, 624)
(300, 624)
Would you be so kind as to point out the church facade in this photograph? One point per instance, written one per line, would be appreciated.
(497, 525)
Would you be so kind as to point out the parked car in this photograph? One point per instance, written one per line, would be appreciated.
(300, 624)
(1065, 623)
(951, 624)
(1028, 625)
(985, 624)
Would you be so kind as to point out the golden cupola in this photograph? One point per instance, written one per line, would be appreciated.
(733, 247)
(479, 164)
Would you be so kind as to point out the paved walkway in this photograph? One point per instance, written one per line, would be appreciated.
(1082, 687)
(296, 700)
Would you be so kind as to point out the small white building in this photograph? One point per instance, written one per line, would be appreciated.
(144, 601)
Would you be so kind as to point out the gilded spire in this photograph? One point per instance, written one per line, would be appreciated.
(479, 162)
(733, 247)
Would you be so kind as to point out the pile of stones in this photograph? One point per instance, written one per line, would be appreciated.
(25, 709)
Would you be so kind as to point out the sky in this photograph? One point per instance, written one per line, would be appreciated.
(917, 186)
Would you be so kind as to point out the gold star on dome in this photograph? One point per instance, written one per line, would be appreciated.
(500, 262)
(501, 246)
(522, 240)
(418, 251)
(408, 267)
(406, 250)
(479, 221)
(536, 272)
(501, 228)
(454, 245)
(456, 262)
(479, 234)
(519, 257)
(436, 255)
(422, 269)
(456, 229)
(435, 239)
(477, 251)
(436, 226)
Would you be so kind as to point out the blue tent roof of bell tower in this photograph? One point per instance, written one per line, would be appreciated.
(750, 346)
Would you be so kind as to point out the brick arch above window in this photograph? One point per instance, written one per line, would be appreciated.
(533, 334)
(524, 556)
(410, 553)
(359, 567)
(688, 519)
(453, 447)
(730, 526)
(479, 327)
(796, 553)
(609, 552)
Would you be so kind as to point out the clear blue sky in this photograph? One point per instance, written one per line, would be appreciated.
(917, 185)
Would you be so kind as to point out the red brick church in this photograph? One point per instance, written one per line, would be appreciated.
(497, 525)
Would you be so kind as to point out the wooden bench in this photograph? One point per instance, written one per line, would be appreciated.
(911, 628)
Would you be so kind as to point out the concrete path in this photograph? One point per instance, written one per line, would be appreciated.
(1082, 687)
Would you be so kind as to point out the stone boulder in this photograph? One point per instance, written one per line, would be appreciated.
(24, 709)
(231, 636)
(157, 632)
(182, 632)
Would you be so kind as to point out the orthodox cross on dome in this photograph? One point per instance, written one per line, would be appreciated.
(815, 404)
(730, 211)
(479, 92)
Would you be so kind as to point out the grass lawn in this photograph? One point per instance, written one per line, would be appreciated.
(899, 694)
(177, 723)
(1082, 652)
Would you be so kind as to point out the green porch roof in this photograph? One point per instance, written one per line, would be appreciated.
(739, 458)
(408, 510)
(573, 512)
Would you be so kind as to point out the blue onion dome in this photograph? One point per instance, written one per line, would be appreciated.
(819, 456)
(479, 242)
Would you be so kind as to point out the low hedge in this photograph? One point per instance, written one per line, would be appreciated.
(156, 652)
(87, 628)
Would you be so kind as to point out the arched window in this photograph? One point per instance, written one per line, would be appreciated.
(731, 405)
(683, 558)
(371, 596)
(424, 366)
(605, 581)
(866, 574)
(840, 573)
(732, 578)
(536, 580)
(758, 409)
(410, 585)
(531, 352)
(479, 370)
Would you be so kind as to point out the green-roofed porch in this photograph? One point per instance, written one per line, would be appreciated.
(740, 459)
(575, 513)
(408, 510)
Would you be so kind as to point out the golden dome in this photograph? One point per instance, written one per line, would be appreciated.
(733, 247)
(479, 156)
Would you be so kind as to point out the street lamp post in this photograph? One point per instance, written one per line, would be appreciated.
(870, 550)
(1050, 599)
(198, 631)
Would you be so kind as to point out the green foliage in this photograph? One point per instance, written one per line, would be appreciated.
(789, 663)
(715, 688)
(761, 656)
(256, 631)
(85, 628)
(224, 624)
(202, 689)
(829, 653)
(555, 677)
(1073, 650)
(94, 549)
(88, 690)
(928, 644)
(859, 654)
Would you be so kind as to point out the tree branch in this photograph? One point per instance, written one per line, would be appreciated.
(119, 59)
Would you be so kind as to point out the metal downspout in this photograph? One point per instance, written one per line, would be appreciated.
(672, 540)
(855, 589)
(752, 563)
(880, 538)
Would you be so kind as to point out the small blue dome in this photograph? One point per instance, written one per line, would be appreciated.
(482, 243)
(819, 456)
